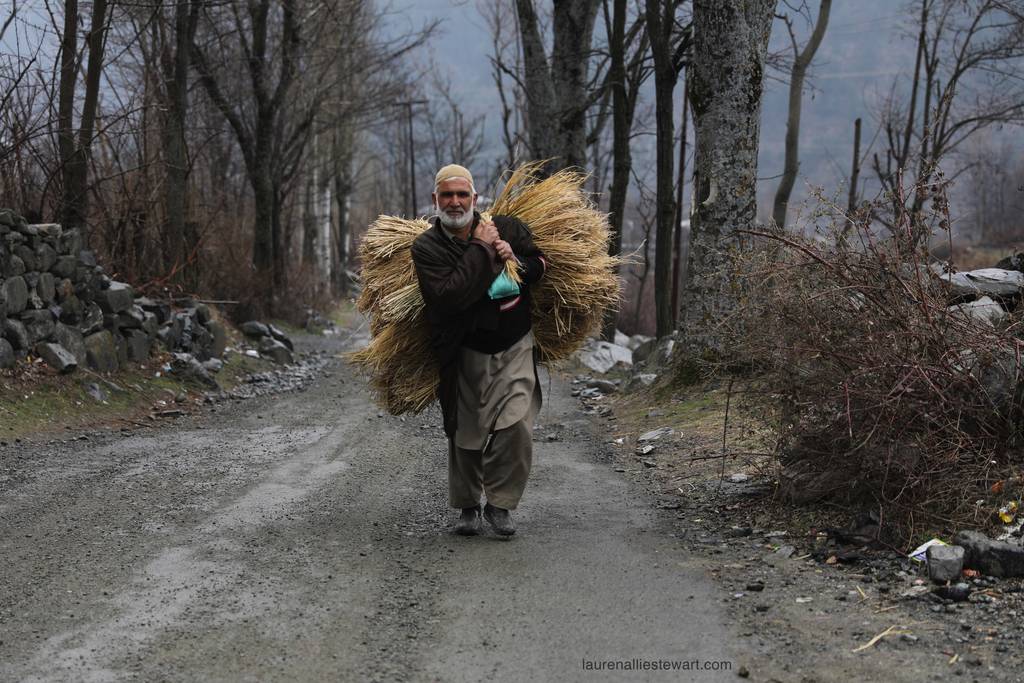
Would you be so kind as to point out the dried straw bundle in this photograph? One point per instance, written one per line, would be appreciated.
(581, 283)
(569, 302)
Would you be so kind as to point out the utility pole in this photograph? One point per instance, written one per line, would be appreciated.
(411, 207)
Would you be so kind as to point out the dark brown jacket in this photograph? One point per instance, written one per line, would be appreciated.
(454, 277)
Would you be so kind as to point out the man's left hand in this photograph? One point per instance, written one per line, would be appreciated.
(504, 250)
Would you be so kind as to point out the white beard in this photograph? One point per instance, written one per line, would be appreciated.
(454, 222)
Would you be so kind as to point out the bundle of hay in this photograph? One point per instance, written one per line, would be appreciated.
(569, 302)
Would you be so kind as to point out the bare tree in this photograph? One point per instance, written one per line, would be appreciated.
(730, 44)
(627, 72)
(264, 38)
(272, 117)
(669, 40)
(801, 62)
(162, 31)
(24, 118)
(75, 145)
(506, 67)
(176, 62)
(966, 78)
(369, 75)
(995, 192)
(556, 93)
(266, 141)
(452, 135)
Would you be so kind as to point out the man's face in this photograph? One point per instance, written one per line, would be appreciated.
(454, 201)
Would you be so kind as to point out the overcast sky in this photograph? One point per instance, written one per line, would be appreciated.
(862, 51)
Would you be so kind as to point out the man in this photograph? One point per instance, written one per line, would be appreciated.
(480, 332)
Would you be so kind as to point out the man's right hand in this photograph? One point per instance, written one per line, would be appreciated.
(486, 232)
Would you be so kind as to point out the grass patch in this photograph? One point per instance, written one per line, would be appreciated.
(35, 402)
(983, 256)
(237, 366)
(697, 412)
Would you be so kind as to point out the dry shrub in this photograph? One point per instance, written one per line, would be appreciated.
(306, 289)
(880, 392)
(223, 270)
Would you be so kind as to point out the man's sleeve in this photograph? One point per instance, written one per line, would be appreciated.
(454, 289)
(532, 262)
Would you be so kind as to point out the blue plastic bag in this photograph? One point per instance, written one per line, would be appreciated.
(503, 287)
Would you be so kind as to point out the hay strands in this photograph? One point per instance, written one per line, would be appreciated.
(569, 303)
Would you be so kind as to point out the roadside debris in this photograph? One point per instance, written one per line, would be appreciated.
(919, 554)
(945, 562)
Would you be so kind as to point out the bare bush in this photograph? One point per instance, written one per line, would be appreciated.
(879, 390)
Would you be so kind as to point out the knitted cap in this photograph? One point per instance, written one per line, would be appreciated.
(453, 171)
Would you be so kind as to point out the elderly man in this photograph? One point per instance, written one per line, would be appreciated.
(479, 323)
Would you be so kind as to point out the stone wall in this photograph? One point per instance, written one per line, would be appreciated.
(57, 303)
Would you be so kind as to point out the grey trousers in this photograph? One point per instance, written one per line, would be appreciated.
(499, 471)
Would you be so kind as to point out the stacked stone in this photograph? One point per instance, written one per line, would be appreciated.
(57, 303)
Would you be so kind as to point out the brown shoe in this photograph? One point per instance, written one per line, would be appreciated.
(469, 523)
(500, 520)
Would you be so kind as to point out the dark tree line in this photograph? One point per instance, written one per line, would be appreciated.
(187, 133)
(192, 138)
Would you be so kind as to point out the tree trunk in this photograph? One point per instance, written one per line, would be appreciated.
(324, 208)
(659, 18)
(556, 93)
(175, 149)
(75, 156)
(263, 142)
(263, 239)
(66, 104)
(622, 162)
(573, 28)
(851, 201)
(678, 244)
(279, 241)
(342, 144)
(796, 91)
(342, 193)
(540, 89)
(310, 224)
(730, 43)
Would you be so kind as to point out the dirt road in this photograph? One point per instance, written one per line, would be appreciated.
(305, 537)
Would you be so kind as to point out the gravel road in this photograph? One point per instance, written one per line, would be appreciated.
(305, 536)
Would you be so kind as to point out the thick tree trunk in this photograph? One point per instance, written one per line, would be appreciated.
(573, 29)
(540, 89)
(556, 93)
(263, 237)
(796, 91)
(730, 43)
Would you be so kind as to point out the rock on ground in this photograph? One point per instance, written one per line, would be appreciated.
(602, 356)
